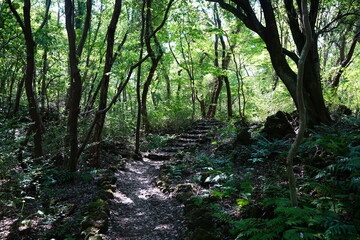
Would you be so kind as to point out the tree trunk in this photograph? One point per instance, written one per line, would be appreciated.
(18, 95)
(138, 83)
(345, 61)
(74, 90)
(100, 118)
(316, 112)
(215, 97)
(29, 75)
(43, 81)
(229, 99)
(301, 105)
(155, 56)
(225, 60)
(11, 88)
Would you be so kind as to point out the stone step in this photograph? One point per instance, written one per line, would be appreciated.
(187, 140)
(193, 136)
(173, 149)
(203, 127)
(198, 131)
(183, 144)
(159, 155)
(208, 122)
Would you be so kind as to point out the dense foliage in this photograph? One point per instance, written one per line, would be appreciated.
(84, 84)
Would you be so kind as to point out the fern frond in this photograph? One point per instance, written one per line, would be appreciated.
(296, 216)
(340, 229)
(301, 234)
(335, 227)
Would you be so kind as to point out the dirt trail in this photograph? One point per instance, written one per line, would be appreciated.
(140, 210)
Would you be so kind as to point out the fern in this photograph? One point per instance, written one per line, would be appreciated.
(246, 226)
(296, 216)
(283, 202)
(336, 228)
(300, 234)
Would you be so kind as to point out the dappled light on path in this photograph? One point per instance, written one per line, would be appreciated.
(140, 210)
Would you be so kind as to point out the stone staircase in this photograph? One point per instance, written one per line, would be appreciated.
(185, 141)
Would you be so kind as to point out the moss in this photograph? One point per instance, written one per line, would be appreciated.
(183, 196)
(96, 237)
(97, 220)
(104, 194)
(98, 205)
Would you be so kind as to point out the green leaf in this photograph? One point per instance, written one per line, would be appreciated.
(242, 202)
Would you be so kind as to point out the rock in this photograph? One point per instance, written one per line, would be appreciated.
(163, 185)
(112, 187)
(243, 135)
(89, 232)
(96, 237)
(104, 194)
(278, 125)
(184, 187)
(184, 196)
(114, 168)
(110, 176)
(96, 220)
(342, 109)
(98, 206)
(184, 192)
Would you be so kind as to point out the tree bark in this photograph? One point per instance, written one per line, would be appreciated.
(43, 81)
(316, 111)
(229, 98)
(18, 95)
(29, 75)
(75, 88)
(138, 82)
(100, 117)
(345, 61)
(225, 60)
(301, 104)
(155, 56)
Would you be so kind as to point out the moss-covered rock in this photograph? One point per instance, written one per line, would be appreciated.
(184, 187)
(98, 206)
(163, 185)
(104, 194)
(89, 232)
(184, 192)
(96, 220)
(183, 196)
(96, 237)
(112, 187)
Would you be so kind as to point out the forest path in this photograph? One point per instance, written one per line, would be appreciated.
(139, 210)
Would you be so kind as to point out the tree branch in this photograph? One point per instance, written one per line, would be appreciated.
(345, 63)
(291, 55)
(16, 14)
(85, 30)
(46, 17)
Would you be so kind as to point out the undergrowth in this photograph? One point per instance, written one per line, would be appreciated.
(247, 195)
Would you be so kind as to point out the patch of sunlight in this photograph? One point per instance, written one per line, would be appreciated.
(122, 198)
(145, 193)
(163, 227)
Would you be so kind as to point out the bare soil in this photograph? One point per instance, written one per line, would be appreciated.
(140, 210)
